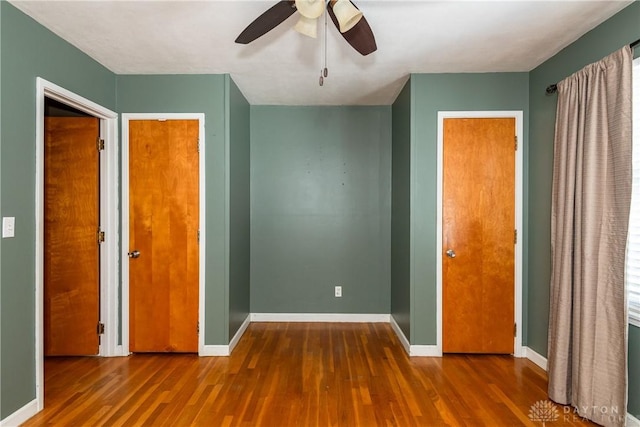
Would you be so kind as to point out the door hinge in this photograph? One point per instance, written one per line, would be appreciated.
(516, 141)
(198, 145)
(198, 328)
(100, 328)
(515, 236)
(100, 236)
(515, 329)
(99, 144)
(198, 236)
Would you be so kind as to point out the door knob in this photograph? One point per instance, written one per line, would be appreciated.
(451, 253)
(134, 254)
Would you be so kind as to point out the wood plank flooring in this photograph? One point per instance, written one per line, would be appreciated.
(296, 374)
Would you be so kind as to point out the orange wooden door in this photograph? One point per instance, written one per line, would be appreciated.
(163, 228)
(478, 225)
(71, 250)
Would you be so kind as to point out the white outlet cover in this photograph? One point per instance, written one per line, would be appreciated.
(8, 227)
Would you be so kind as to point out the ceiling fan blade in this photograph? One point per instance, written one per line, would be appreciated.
(360, 37)
(266, 22)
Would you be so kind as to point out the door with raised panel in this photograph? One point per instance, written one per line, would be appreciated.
(478, 235)
(163, 235)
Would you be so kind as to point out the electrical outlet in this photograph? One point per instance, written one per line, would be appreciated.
(338, 291)
(8, 226)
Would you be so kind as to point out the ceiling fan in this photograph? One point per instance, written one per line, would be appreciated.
(345, 15)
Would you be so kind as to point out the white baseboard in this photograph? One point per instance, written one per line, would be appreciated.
(535, 357)
(225, 350)
(425, 351)
(403, 339)
(214, 350)
(21, 415)
(632, 421)
(320, 317)
(238, 335)
(414, 350)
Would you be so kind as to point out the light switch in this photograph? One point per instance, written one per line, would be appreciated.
(8, 226)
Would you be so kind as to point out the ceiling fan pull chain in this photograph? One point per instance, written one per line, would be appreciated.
(321, 79)
(326, 70)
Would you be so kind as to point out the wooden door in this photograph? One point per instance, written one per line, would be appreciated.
(163, 228)
(71, 249)
(478, 226)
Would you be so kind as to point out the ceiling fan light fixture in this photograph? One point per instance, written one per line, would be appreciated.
(306, 26)
(353, 25)
(310, 8)
(347, 14)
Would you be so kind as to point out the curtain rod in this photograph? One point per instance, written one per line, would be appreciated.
(551, 89)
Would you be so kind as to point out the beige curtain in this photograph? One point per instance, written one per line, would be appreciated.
(587, 354)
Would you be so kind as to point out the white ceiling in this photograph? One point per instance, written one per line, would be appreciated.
(282, 67)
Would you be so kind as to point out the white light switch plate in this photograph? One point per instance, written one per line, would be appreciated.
(8, 226)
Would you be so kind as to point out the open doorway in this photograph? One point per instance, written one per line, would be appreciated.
(51, 101)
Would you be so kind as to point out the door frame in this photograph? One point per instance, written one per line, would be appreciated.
(109, 253)
(519, 180)
(126, 118)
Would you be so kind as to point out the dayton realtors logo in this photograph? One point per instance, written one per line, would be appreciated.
(543, 411)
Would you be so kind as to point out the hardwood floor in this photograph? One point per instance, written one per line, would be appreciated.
(296, 374)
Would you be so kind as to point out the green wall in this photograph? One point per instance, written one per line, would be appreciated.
(431, 93)
(401, 210)
(320, 209)
(27, 51)
(195, 94)
(621, 29)
(238, 118)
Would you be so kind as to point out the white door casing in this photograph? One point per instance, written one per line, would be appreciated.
(109, 254)
(518, 115)
(126, 118)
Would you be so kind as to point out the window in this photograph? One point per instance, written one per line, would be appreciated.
(633, 244)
